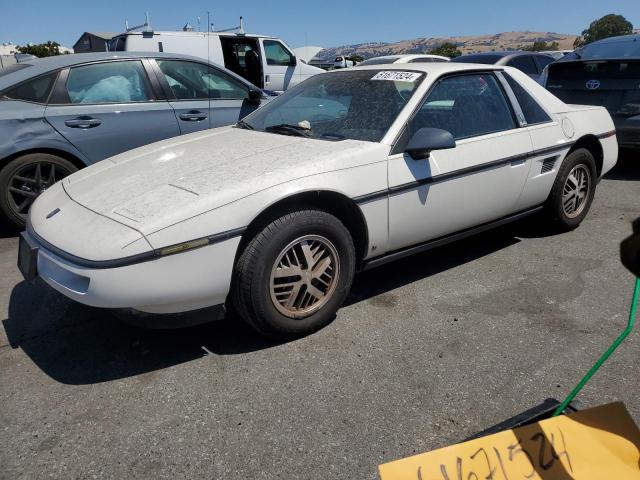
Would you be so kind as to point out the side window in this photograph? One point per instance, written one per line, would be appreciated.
(533, 112)
(196, 81)
(524, 63)
(466, 106)
(113, 82)
(36, 90)
(543, 60)
(276, 54)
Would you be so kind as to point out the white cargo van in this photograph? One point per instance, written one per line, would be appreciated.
(267, 62)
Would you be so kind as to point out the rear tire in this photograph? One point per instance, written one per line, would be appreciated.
(26, 177)
(573, 190)
(294, 274)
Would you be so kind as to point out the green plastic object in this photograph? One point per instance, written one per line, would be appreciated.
(625, 333)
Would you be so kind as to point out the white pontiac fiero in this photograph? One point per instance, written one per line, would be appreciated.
(346, 171)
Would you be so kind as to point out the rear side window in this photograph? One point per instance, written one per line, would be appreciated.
(533, 112)
(192, 81)
(543, 60)
(36, 90)
(113, 82)
(276, 54)
(524, 63)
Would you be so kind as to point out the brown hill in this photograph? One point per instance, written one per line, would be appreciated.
(467, 44)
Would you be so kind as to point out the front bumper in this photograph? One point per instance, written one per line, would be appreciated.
(177, 283)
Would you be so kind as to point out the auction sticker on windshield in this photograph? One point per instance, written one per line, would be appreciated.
(396, 76)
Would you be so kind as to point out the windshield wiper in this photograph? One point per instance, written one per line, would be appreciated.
(245, 125)
(288, 129)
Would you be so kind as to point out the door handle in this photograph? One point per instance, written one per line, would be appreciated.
(193, 116)
(83, 122)
(267, 79)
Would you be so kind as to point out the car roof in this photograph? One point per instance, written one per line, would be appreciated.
(39, 66)
(194, 33)
(575, 56)
(630, 38)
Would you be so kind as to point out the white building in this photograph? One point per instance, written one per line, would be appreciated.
(8, 48)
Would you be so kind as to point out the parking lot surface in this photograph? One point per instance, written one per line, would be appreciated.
(428, 351)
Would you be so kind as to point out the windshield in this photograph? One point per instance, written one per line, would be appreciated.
(379, 61)
(611, 49)
(357, 105)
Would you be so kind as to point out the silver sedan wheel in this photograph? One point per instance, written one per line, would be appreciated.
(576, 191)
(304, 276)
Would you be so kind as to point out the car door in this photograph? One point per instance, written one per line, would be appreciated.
(549, 141)
(109, 107)
(202, 95)
(476, 182)
(279, 67)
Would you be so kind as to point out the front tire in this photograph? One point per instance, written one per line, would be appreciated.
(26, 177)
(573, 190)
(294, 274)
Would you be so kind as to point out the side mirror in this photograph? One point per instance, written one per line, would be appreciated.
(293, 61)
(427, 139)
(630, 250)
(255, 96)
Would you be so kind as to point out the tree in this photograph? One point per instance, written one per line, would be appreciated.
(541, 47)
(357, 58)
(610, 25)
(446, 50)
(40, 50)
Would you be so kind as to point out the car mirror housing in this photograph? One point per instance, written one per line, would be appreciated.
(255, 96)
(427, 139)
(293, 61)
(630, 250)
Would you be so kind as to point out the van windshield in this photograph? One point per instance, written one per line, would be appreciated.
(117, 44)
(351, 104)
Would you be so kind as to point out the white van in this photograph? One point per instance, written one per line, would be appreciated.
(267, 62)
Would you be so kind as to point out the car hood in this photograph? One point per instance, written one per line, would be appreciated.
(164, 183)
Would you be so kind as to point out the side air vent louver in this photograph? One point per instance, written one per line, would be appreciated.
(548, 164)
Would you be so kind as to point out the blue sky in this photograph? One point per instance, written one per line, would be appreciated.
(325, 23)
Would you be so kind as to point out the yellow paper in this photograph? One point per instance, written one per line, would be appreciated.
(600, 443)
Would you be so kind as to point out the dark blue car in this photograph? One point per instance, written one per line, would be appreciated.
(605, 73)
(59, 114)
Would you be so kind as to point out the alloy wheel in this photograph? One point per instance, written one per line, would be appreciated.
(576, 190)
(304, 276)
(31, 180)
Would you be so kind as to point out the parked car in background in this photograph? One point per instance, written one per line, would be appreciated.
(418, 58)
(346, 171)
(556, 54)
(343, 62)
(265, 61)
(59, 114)
(606, 73)
(531, 63)
(6, 60)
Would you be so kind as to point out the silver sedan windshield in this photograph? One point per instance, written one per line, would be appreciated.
(357, 105)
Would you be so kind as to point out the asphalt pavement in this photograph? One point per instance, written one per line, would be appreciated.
(428, 351)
